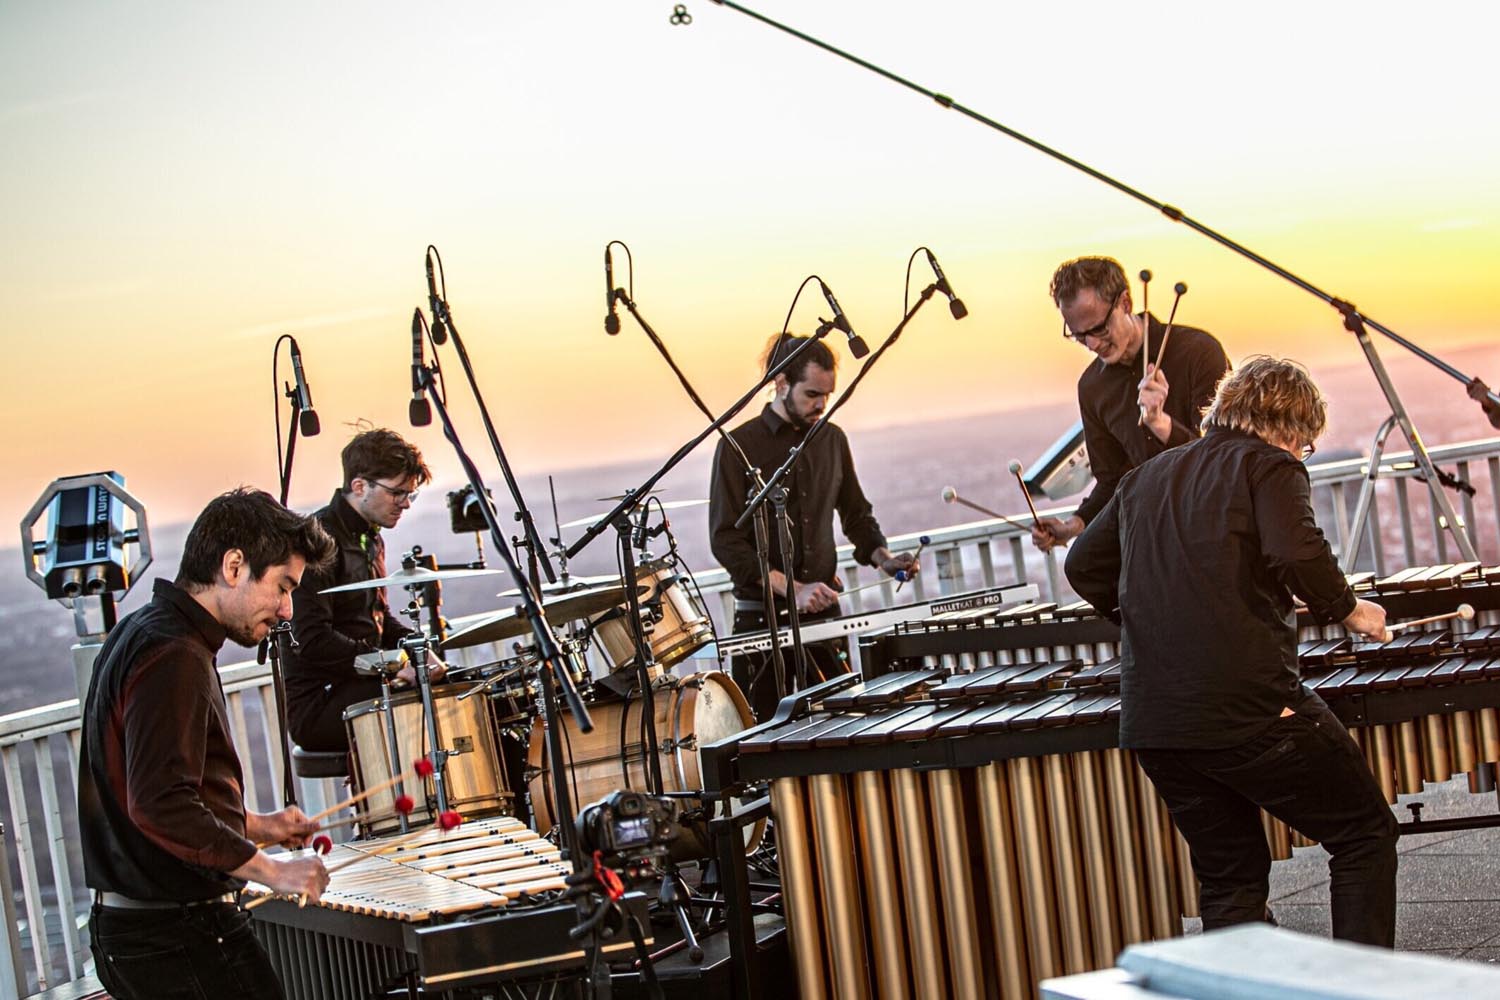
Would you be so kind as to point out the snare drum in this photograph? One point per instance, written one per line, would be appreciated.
(691, 713)
(473, 776)
(675, 625)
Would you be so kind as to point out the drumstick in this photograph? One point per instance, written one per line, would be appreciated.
(422, 768)
(902, 575)
(1465, 611)
(950, 495)
(1015, 470)
(1181, 289)
(1145, 323)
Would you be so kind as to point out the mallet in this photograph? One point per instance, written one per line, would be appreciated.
(1465, 611)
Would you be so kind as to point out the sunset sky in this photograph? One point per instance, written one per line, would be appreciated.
(180, 182)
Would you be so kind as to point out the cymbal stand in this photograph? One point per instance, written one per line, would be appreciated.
(392, 747)
(644, 661)
(415, 647)
(549, 657)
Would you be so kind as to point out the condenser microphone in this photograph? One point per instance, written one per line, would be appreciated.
(611, 319)
(857, 346)
(955, 304)
(438, 306)
(419, 412)
(307, 422)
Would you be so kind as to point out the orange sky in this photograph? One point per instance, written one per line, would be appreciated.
(180, 183)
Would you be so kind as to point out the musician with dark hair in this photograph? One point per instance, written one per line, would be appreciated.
(1198, 556)
(167, 838)
(822, 483)
(382, 473)
(1094, 298)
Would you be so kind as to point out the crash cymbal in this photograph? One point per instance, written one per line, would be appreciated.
(621, 496)
(411, 577)
(666, 505)
(574, 583)
(558, 609)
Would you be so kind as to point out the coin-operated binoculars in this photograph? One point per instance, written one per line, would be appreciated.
(84, 554)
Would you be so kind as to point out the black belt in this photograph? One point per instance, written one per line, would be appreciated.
(116, 901)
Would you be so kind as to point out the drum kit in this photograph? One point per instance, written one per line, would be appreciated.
(483, 727)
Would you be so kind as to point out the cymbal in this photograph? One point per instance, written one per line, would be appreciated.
(666, 505)
(567, 607)
(621, 496)
(410, 578)
(574, 583)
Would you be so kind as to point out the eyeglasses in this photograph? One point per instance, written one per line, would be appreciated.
(1097, 329)
(1309, 450)
(409, 496)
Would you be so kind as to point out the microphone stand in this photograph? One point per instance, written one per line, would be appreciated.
(271, 645)
(536, 552)
(549, 656)
(776, 492)
(762, 530)
(1353, 320)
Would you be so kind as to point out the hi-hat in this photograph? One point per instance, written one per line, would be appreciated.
(665, 505)
(571, 606)
(410, 578)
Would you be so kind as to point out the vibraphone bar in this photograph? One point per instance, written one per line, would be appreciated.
(443, 912)
(967, 833)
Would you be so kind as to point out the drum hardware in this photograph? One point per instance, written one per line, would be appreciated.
(655, 502)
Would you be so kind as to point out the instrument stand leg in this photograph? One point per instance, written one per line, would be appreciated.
(1442, 507)
(392, 747)
(675, 896)
(1366, 500)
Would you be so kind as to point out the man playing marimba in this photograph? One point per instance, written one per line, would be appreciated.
(1197, 556)
(167, 839)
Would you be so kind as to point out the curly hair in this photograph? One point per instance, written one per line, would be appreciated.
(1103, 274)
(1273, 398)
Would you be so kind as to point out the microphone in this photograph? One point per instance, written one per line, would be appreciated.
(308, 421)
(857, 345)
(419, 412)
(438, 306)
(612, 320)
(955, 304)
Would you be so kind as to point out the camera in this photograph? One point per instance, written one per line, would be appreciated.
(629, 827)
(464, 513)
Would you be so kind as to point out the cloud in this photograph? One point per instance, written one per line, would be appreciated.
(301, 323)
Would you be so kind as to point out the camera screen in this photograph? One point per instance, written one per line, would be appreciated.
(633, 831)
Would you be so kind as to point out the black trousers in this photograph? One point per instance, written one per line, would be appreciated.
(753, 672)
(1307, 772)
(205, 952)
(320, 726)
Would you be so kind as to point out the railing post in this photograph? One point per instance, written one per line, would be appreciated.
(12, 970)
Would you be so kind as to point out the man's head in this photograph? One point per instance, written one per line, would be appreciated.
(803, 389)
(382, 472)
(1274, 399)
(1094, 299)
(244, 556)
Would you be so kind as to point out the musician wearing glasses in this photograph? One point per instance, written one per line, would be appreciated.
(382, 473)
(1198, 556)
(1094, 299)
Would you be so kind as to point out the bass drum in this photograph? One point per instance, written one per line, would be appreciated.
(473, 776)
(689, 713)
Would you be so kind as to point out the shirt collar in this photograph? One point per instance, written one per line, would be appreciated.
(773, 420)
(197, 615)
(350, 518)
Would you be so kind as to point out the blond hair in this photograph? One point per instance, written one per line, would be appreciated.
(1274, 399)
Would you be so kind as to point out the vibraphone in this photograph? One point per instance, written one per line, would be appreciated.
(441, 914)
(971, 826)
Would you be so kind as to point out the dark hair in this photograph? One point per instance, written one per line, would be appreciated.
(1103, 274)
(783, 344)
(382, 454)
(253, 522)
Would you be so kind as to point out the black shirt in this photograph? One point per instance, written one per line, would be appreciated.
(1107, 401)
(1197, 556)
(822, 481)
(160, 790)
(331, 629)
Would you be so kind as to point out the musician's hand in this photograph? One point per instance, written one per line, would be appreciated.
(902, 562)
(1152, 398)
(1368, 620)
(289, 827)
(405, 677)
(815, 597)
(298, 876)
(1052, 532)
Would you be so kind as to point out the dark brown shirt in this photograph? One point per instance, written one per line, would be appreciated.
(821, 483)
(160, 789)
(1197, 556)
(1107, 401)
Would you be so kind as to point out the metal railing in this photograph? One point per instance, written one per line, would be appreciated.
(46, 941)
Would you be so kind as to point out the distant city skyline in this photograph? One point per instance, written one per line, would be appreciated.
(181, 183)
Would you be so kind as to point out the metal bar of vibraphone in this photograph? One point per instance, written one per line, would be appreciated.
(1003, 881)
(877, 854)
(794, 843)
(918, 883)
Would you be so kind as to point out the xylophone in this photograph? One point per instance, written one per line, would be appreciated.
(439, 913)
(971, 826)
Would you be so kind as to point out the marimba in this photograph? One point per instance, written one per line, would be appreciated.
(443, 912)
(946, 831)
